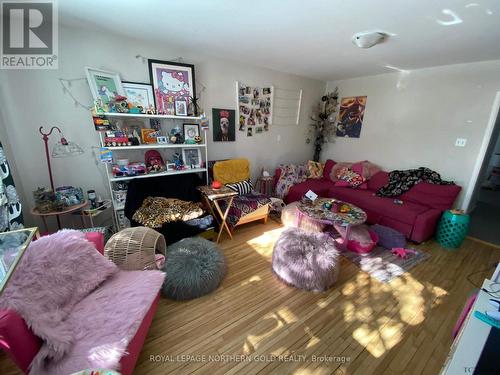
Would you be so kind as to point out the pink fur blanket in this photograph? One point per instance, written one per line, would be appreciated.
(77, 302)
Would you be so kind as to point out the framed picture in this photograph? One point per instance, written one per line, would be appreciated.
(171, 82)
(190, 131)
(139, 94)
(224, 125)
(181, 108)
(149, 136)
(170, 166)
(104, 85)
(192, 157)
(161, 140)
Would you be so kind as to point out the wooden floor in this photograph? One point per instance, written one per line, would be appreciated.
(255, 324)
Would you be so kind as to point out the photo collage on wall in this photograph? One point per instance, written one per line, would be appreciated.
(255, 108)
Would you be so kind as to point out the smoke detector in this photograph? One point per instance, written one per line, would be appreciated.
(367, 39)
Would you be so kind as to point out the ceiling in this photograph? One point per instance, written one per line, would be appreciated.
(308, 38)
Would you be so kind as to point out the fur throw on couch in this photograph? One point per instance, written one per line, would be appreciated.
(54, 274)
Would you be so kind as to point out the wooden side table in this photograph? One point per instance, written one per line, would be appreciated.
(66, 210)
(212, 197)
(264, 185)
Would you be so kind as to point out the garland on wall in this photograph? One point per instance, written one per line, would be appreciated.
(67, 83)
(323, 130)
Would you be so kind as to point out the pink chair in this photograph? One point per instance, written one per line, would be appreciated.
(21, 345)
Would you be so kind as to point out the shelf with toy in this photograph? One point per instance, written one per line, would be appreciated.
(164, 173)
(155, 146)
(145, 115)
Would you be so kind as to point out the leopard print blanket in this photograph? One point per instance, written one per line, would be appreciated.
(156, 211)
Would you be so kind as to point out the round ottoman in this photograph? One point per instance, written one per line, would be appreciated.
(306, 260)
(289, 219)
(194, 267)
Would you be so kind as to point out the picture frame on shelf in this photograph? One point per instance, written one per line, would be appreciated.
(170, 166)
(139, 94)
(162, 140)
(172, 82)
(181, 108)
(104, 85)
(149, 136)
(192, 157)
(190, 131)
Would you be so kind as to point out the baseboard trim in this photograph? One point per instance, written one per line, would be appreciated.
(483, 242)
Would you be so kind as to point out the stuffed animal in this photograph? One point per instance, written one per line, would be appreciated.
(402, 253)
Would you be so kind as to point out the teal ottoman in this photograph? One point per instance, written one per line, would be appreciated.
(452, 229)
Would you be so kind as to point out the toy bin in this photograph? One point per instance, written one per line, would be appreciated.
(452, 229)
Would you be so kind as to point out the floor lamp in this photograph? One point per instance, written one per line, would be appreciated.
(62, 149)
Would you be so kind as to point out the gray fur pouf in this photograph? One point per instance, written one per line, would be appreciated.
(306, 260)
(194, 267)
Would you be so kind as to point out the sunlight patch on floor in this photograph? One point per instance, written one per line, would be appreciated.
(412, 302)
(263, 244)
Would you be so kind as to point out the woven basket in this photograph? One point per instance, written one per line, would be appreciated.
(135, 248)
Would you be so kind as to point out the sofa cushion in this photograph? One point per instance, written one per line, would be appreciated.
(406, 212)
(319, 186)
(327, 169)
(315, 169)
(378, 180)
(437, 196)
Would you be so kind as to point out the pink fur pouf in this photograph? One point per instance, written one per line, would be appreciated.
(306, 260)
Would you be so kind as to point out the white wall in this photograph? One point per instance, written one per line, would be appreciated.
(413, 118)
(32, 98)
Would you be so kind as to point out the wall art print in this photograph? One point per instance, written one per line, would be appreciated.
(172, 82)
(351, 113)
(224, 125)
(11, 213)
(255, 107)
(104, 85)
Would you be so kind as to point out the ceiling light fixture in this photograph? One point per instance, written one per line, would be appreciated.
(367, 39)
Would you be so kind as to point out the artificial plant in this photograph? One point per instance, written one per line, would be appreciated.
(323, 129)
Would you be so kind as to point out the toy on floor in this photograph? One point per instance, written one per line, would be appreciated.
(401, 252)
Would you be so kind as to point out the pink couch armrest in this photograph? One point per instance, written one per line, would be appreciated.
(17, 340)
(97, 239)
(425, 225)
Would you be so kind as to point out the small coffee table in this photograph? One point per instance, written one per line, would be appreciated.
(315, 210)
(212, 197)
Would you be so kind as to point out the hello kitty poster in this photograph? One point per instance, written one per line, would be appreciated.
(171, 82)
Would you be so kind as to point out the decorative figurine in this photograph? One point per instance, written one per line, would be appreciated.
(198, 139)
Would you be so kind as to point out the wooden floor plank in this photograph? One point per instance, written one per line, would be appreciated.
(402, 327)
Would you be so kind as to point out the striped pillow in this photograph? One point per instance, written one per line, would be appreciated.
(242, 187)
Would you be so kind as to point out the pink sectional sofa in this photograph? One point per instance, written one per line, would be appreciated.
(21, 345)
(416, 218)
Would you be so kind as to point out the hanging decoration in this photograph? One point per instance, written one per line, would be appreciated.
(66, 88)
(325, 118)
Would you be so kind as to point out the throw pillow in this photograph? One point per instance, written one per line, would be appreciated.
(242, 188)
(327, 169)
(352, 178)
(315, 169)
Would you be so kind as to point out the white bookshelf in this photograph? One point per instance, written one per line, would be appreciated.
(158, 174)
(154, 146)
(122, 150)
(143, 115)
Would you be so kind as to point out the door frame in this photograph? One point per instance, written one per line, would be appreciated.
(478, 167)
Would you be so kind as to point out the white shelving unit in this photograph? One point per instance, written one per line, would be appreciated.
(119, 151)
